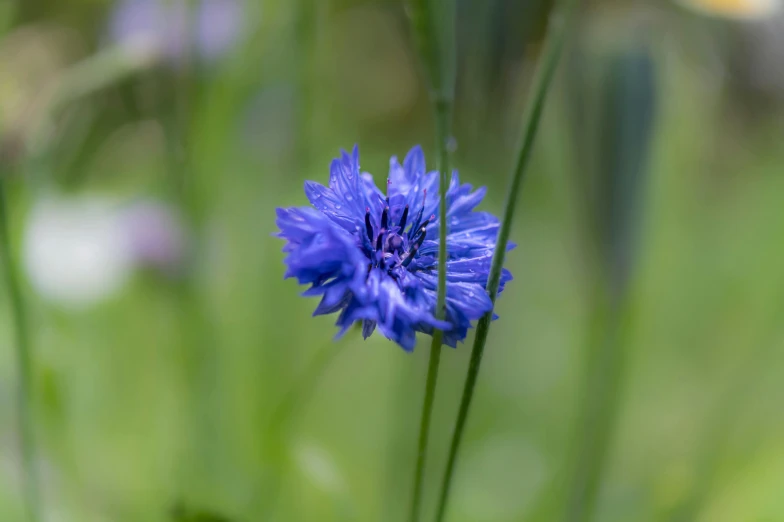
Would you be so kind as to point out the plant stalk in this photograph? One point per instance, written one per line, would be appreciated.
(443, 121)
(433, 24)
(558, 32)
(23, 363)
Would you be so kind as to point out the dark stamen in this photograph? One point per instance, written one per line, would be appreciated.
(403, 219)
(380, 239)
(385, 217)
(420, 238)
(368, 226)
(427, 221)
(415, 225)
(418, 219)
(411, 254)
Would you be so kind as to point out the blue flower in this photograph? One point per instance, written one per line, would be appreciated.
(374, 258)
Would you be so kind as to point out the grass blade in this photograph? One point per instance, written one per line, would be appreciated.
(433, 25)
(23, 363)
(557, 35)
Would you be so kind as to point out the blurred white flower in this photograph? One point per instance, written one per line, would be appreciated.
(741, 9)
(75, 252)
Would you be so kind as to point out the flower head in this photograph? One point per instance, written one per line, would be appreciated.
(373, 257)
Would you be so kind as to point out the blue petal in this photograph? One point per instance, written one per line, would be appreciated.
(331, 205)
(368, 327)
(317, 249)
(471, 221)
(403, 178)
(335, 298)
(373, 198)
(345, 181)
(424, 194)
(414, 164)
(464, 203)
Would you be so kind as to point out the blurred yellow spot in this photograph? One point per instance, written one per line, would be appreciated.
(736, 8)
(731, 6)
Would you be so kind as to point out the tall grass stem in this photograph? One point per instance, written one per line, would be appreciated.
(433, 24)
(558, 32)
(23, 363)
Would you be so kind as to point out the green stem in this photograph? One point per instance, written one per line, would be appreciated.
(23, 361)
(424, 425)
(433, 23)
(555, 42)
(443, 124)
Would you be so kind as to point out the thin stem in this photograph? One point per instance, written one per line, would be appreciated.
(557, 35)
(23, 363)
(443, 109)
(443, 118)
(424, 425)
(433, 24)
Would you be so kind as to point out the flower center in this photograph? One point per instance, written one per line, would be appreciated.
(391, 246)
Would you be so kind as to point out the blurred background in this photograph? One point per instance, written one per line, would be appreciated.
(144, 145)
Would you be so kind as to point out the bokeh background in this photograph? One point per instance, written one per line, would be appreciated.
(145, 144)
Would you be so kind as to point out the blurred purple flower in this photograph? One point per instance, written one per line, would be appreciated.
(166, 26)
(155, 235)
(219, 25)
